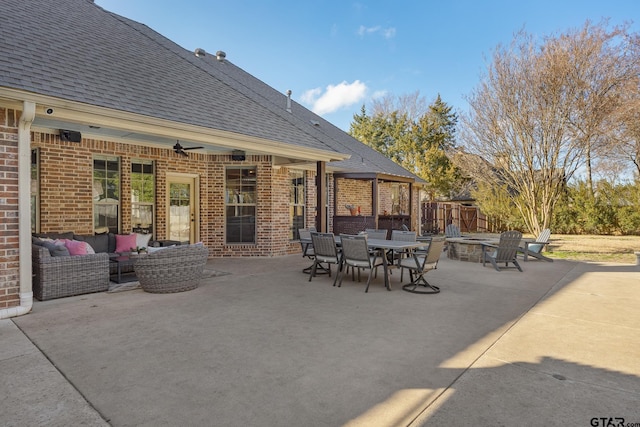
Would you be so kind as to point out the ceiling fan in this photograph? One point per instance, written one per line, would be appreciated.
(179, 149)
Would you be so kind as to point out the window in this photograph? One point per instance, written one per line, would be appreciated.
(142, 196)
(35, 191)
(106, 193)
(399, 199)
(296, 203)
(241, 205)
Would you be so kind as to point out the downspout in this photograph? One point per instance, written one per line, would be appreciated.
(24, 206)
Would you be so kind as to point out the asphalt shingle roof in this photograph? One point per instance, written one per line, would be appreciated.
(75, 50)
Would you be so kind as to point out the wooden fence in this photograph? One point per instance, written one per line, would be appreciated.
(435, 216)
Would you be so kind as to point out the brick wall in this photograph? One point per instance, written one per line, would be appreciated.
(9, 250)
(384, 198)
(66, 199)
(66, 204)
(354, 192)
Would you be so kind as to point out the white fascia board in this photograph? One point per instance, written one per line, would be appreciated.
(86, 114)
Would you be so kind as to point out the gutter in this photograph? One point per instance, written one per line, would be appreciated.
(86, 114)
(24, 205)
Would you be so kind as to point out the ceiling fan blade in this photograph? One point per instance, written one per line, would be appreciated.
(179, 149)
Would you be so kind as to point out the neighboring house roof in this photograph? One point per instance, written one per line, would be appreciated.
(74, 50)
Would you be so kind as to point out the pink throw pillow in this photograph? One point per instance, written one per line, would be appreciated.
(76, 247)
(125, 242)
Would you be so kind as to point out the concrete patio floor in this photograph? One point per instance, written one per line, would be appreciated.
(556, 345)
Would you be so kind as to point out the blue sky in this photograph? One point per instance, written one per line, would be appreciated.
(336, 56)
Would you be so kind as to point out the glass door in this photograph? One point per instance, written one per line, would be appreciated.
(181, 209)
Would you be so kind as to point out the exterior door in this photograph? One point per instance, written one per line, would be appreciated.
(181, 209)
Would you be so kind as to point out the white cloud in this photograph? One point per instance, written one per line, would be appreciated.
(379, 94)
(334, 97)
(309, 96)
(387, 33)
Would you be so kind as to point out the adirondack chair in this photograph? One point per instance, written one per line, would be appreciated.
(505, 252)
(452, 230)
(534, 249)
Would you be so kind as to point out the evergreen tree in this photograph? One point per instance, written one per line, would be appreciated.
(420, 145)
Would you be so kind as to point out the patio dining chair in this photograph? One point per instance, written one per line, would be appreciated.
(304, 234)
(373, 233)
(355, 254)
(534, 249)
(325, 252)
(419, 265)
(505, 252)
(404, 236)
(305, 242)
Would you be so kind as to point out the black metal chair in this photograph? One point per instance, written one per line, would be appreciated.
(305, 242)
(325, 252)
(355, 253)
(307, 249)
(405, 236)
(373, 233)
(419, 265)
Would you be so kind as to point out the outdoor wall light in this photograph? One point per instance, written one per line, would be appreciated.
(238, 155)
(70, 136)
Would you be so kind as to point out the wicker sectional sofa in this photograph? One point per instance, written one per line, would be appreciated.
(57, 276)
(63, 276)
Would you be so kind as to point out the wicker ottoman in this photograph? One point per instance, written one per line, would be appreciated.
(174, 269)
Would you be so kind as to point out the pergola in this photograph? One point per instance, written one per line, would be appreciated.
(376, 216)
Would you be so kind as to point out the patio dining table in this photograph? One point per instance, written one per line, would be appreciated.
(384, 246)
(391, 245)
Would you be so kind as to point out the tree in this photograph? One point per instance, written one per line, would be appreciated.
(625, 140)
(603, 68)
(435, 133)
(413, 137)
(539, 112)
(388, 134)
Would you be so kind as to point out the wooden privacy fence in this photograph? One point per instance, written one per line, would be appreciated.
(435, 216)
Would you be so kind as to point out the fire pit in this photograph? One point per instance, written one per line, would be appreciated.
(467, 248)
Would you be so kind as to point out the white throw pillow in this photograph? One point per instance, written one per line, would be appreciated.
(90, 250)
(142, 240)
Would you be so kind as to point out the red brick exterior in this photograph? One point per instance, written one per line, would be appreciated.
(66, 199)
(9, 215)
(354, 192)
(66, 204)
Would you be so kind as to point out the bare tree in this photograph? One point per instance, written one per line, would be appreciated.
(627, 139)
(604, 68)
(540, 111)
(413, 105)
(623, 145)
